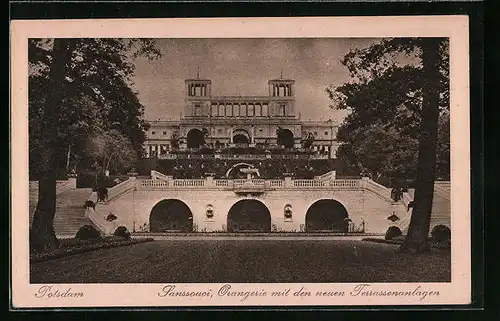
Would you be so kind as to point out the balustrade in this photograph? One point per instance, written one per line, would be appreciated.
(308, 183)
(188, 182)
(344, 183)
(276, 183)
(221, 182)
(241, 183)
(241, 156)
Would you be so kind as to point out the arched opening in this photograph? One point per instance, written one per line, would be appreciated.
(171, 215)
(195, 138)
(241, 136)
(240, 139)
(327, 215)
(285, 138)
(249, 216)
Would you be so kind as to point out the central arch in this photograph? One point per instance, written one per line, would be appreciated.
(171, 215)
(195, 138)
(241, 136)
(327, 215)
(285, 137)
(249, 215)
(240, 139)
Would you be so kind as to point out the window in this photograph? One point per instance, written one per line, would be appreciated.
(258, 110)
(236, 110)
(164, 133)
(260, 130)
(326, 133)
(315, 133)
(264, 110)
(243, 110)
(283, 109)
(197, 110)
(221, 110)
(214, 110)
(229, 110)
(250, 110)
(219, 131)
(153, 133)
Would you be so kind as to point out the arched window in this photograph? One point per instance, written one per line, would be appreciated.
(251, 110)
(243, 110)
(229, 110)
(265, 111)
(221, 110)
(283, 109)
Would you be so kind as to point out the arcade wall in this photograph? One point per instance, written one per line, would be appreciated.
(361, 205)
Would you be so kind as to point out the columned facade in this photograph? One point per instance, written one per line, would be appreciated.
(220, 117)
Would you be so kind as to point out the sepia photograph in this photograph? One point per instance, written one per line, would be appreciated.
(254, 160)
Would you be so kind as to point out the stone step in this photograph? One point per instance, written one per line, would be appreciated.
(70, 214)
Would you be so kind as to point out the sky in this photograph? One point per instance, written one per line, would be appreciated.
(243, 67)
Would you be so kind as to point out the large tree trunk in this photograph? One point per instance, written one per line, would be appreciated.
(417, 237)
(42, 235)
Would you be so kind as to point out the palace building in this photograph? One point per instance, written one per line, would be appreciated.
(262, 122)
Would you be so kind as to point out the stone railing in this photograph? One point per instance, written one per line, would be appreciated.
(272, 184)
(327, 176)
(276, 183)
(246, 182)
(350, 183)
(152, 183)
(309, 183)
(95, 217)
(378, 189)
(121, 188)
(242, 156)
(224, 156)
(443, 189)
(443, 183)
(222, 182)
(158, 175)
(188, 182)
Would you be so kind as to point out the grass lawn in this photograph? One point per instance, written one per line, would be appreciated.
(237, 261)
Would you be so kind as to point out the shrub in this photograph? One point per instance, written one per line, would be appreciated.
(88, 232)
(392, 232)
(122, 231)
(441, 233)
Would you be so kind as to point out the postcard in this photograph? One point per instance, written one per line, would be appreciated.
(312, 161)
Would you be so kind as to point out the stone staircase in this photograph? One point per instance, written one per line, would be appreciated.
(70, 214)
(441, 208)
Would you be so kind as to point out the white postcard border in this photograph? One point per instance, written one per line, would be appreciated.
(458, 291)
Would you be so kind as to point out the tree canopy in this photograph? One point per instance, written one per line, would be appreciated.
(98, 93)
(399, 90)
(384, 100)
(80, 89)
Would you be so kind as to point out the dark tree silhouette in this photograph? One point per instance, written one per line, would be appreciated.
(77, 87)
(400, 103)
